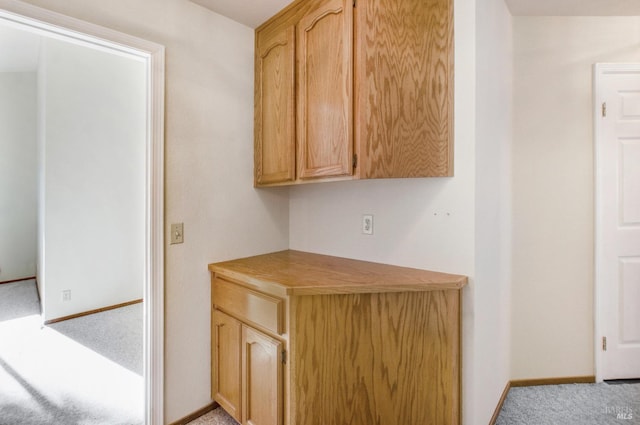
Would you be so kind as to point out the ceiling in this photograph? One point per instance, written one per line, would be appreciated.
(19, 50)
(249, 12)
(254, 12)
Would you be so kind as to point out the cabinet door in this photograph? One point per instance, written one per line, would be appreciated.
(274, 148)
(225, 368)
(325, 50)
(404, 86)
(262, 401)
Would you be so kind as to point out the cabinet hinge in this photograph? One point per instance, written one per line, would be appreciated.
(284, 357)
(355, 160)
(604, 343)
(604, 109)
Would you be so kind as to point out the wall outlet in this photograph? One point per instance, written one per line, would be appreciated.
(367, 224)
(66, 295)
(177, 233)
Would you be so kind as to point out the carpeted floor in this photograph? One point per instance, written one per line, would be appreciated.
(574, 404)
(115, 334)
(577, 404)
(84, 371)
(215, 417)
(18, 299)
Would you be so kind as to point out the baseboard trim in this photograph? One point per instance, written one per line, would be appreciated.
(536, 382)
(86, 313)
(18, 280)
(503, 397)
(195, 415)
(553, 381)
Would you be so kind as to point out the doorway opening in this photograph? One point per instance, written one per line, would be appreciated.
(76, 32)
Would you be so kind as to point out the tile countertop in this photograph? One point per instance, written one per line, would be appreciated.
(302, 273)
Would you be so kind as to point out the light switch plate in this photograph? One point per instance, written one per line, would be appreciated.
(177, 233)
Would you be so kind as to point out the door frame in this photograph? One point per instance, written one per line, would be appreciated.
(55, 25)
(599, 294)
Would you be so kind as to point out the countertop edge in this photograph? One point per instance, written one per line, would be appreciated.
(457, 282)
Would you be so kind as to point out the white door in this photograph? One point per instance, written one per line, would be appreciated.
(617, 144)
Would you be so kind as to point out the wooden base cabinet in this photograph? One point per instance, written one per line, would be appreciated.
(307, 339)
(387, 359)
(247, 364)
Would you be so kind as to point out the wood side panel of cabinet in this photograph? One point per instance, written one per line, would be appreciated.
(275, 138)
(404, 88)
(225, 367)
(384, 358)
(325, 90)
(262, 402)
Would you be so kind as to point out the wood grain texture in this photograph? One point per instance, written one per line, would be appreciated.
(18, 280)
(553, 381)
(377, 359)
(274, 146)
(86, 313)
(302, 273)
(325, 86)
(248, 305)
(262, 402)
(404, 87)
(226, 333)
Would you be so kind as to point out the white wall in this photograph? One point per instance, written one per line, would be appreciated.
(209, 169)
(18, 189)
(94, 178)
(494, 103)
(552, 301)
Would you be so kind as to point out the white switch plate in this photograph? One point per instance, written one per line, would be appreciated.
(66, 295)
(177, 233)
(367, 224)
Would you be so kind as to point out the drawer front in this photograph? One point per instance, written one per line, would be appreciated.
(248, 305)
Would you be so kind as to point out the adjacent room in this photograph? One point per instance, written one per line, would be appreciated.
(72, 251)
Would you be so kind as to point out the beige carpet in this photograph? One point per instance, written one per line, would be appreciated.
(215, 417)
(61, 374)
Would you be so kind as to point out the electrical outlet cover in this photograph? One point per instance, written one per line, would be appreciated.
(367, 224)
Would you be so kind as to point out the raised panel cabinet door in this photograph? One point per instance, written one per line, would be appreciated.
(275, 108)
(404, 85)
(225, 368)
(262, 402)
(325, 86)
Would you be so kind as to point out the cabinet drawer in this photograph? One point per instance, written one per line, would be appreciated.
(248, 305)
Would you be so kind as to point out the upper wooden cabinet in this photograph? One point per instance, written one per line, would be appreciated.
(354, 89)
